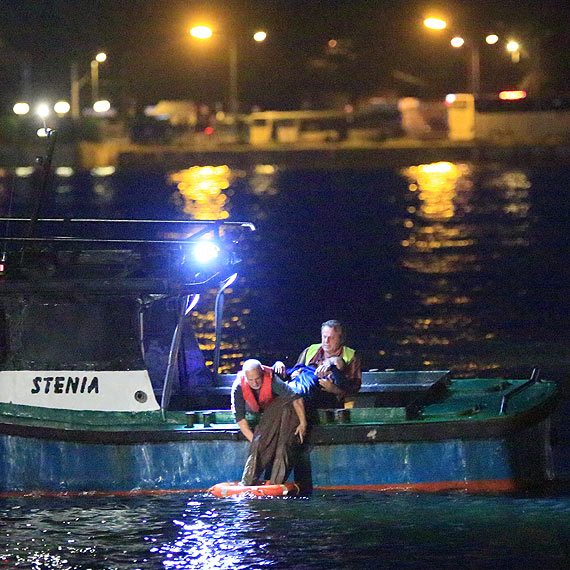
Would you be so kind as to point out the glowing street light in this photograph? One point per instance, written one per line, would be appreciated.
(99, 58)
(435, 24)
(42, 110)
(457, 42)
(203, 32)
(101, 106)
(62, 107)
(513, 46)
(21, 108)
(77, 82)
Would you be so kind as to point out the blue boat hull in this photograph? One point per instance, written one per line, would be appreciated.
(35, 465)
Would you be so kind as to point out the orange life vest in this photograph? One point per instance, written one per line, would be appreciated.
(265, 393)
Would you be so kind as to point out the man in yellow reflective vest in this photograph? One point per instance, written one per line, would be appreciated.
(321, 356)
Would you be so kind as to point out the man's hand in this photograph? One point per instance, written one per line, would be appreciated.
(328, 386)
(301, 430)
(279, 368)
(323, 370)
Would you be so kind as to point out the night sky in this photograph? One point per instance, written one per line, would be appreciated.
(383, 49)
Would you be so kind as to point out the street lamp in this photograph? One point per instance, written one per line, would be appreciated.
(21, 108)
(475, 63)
(77, 82)
(99, 58)
(62, 107)
(205, 32)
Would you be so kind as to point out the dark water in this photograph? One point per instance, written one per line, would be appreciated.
(455, 266)
(332, 530)
(442, 265)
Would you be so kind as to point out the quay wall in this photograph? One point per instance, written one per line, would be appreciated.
(339, 157)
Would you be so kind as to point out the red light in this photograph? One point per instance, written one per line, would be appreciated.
(209, 130)
(2, 268)
(512, 95)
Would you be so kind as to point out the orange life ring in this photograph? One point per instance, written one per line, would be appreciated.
(228, 489)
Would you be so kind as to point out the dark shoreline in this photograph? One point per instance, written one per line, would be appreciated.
(341, 157)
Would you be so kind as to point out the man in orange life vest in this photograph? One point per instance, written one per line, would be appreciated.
(282, 426)
(322, 356)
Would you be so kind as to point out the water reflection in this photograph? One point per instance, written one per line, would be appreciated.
(462, 223)
(209, 539)
(202, 190)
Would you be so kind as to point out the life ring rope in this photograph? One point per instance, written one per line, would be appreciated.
(229, 489)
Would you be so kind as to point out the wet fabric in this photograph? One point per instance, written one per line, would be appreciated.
(306, 382)
(275, 445)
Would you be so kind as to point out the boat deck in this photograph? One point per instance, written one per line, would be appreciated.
(444, 408)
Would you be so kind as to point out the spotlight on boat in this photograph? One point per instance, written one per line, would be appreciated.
(205, 252)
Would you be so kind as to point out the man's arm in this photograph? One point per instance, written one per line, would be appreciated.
(238, 409)
(353, 373)
(245, 429)
(299, 406)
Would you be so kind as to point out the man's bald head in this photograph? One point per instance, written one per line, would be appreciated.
(253, 373)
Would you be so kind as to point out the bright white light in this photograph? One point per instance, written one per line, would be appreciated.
(201, 32)
(21, 108)
(450, 98)
(513, 46)
(205, 251)
(42, 110)
(101, 57)
(43, 132)
(102, 171)
(24, 171)
(101, 106)
(64, 171)
(259, 36)
(457, 42)
(492, 39)
(435, 23)
(62, 107)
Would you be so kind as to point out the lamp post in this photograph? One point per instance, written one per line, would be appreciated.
(78, 81)
(204, 33)
(475, 59)
(99, 58)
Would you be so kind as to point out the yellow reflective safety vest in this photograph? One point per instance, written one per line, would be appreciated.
(347, 353)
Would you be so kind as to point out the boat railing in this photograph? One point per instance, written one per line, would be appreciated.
(149, 255)
(534, 377)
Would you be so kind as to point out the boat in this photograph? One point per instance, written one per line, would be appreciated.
(79, 412)
(83, 411)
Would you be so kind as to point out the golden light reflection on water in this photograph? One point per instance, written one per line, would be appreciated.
(449, 234)
(202, 189)
(206, 194)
